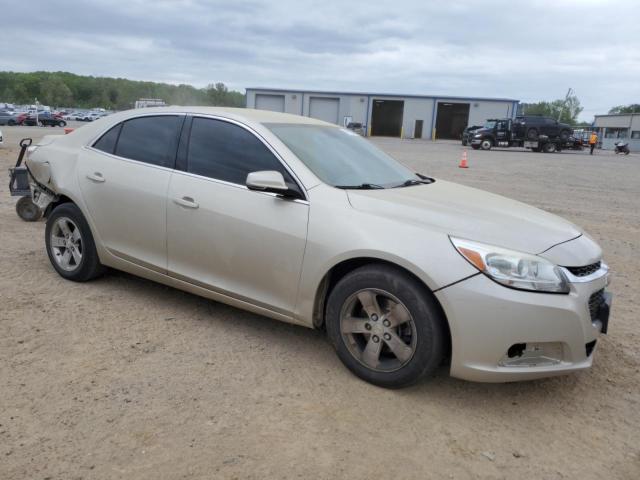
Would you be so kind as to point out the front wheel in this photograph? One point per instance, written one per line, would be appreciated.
(532, 134)
(549, 148)
(385, 326)
(70, 245)
(486, 144)
(62, 123)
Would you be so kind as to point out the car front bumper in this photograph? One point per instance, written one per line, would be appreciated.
(500, 334)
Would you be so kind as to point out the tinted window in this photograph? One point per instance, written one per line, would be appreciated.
(152, 140)
(107, 142)
(228, 152)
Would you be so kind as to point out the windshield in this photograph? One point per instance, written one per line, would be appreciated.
(489, 124)
(342, 158)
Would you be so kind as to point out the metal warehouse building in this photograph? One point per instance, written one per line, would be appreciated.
(389, 115)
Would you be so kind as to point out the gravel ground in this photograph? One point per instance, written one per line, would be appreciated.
(124, 378)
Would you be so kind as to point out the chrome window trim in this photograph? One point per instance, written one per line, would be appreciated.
(601, 272)
(130, 160)
(95, 138)
(238, 186)
(276, 154)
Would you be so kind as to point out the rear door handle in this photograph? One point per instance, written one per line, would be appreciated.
(96, 177)
(186, 202)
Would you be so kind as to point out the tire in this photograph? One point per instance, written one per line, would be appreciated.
(549, 147)
(486, 144)
(40, 123)
(564, 135)
(532, 134)
(367, 343)
(62, 123)
(73, 255)
(27, 210)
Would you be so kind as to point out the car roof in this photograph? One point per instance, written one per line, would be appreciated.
(241, 114)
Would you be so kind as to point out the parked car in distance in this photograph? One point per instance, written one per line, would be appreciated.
(43, 121)
(402, 270)
(8, 118)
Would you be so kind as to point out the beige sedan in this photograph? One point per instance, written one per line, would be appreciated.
(309, 223)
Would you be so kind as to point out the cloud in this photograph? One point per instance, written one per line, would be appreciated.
(489, 48)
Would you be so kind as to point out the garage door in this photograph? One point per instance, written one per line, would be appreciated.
(274, 103)
(324, 108)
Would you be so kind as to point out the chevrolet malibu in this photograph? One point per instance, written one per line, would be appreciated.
(305, 222)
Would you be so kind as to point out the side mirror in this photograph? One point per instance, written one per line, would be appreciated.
(272, 182)
(266, 181)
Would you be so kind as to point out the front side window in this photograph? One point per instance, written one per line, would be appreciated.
(224, 151)
(152, 140)
(342, 158)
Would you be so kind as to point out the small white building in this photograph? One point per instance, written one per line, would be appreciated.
(390, 115)
(617, 127)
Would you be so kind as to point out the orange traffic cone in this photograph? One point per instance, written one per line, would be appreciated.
(463, 160)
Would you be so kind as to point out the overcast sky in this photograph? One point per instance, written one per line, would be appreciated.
(466, 48)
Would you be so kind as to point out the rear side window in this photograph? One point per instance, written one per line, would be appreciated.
(151, 140)
(107, 142)
(225, 151)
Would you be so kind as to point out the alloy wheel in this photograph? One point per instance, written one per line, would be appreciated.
(66, 244)
(378, 330)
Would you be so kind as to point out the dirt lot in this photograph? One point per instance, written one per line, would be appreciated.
(123, 378)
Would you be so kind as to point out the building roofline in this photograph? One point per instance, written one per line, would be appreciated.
(378, 94)
(616, 115)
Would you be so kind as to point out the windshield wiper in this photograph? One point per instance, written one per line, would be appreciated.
(362, 186)
(413, 181)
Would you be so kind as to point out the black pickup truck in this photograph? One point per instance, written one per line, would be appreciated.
(530, 131)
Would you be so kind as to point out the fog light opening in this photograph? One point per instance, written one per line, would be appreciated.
(589, 347)
(516, 350)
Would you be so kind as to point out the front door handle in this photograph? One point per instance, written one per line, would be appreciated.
(96, 177)
(186, 202)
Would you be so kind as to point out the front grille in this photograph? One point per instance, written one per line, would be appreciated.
(595, 301)
(584, 271)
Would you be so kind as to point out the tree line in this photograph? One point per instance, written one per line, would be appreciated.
(63, 89)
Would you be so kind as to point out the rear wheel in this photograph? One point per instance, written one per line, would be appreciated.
(70, 245)
(62, 123)
(532, 134)
(385, 327)
(564, 135)
(549, 147)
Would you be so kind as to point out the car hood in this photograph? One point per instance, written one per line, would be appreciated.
(469, 213)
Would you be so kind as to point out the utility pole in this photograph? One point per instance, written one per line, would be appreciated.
(566, 101)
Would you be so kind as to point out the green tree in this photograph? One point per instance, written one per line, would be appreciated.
(70, 90)
(565, 111)
(632, 108)
(54, 92)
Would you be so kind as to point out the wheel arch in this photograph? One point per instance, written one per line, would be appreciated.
(344, 267)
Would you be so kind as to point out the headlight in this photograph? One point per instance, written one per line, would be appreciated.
(513, 269)
(477, 135)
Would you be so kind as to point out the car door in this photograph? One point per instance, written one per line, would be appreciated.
(225, 237)
(124, 177)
